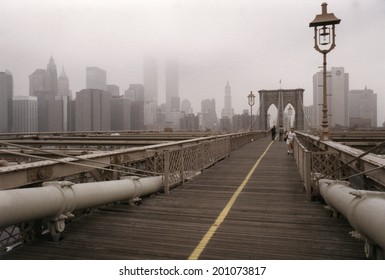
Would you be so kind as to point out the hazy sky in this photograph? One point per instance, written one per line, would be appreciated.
(251, 43)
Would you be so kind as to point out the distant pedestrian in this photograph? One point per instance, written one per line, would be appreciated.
(290, 135)
(273, 133)
(281, 133)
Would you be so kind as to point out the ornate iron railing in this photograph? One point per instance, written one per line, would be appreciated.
(177, 161)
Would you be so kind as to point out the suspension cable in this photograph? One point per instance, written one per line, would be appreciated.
(65, 162)
(304, 113)
(75, 157)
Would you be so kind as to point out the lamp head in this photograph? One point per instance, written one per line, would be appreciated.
(325, 18)
(251, 98)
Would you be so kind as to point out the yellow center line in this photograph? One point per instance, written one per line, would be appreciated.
(206, 238)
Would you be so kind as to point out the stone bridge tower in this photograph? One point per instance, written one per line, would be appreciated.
(281, 98)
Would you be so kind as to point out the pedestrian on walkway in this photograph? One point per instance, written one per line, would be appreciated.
(281, 133)
(290, 138)
(273, 133)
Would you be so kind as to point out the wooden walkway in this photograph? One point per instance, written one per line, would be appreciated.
(270, 219)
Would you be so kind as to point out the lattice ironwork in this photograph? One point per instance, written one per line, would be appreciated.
(9, 237)
(191, 161)
(325, 164)
(155, 163)
(175, 167)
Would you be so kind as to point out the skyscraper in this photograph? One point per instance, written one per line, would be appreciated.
(64, 85)
(52, 77)
(338, 102)
(227, 111)
(362, 108)
(113, 89)
(44, 81)
(135, 93)
(6, 94)
(38, 83)
(93, 110)
(209, 115)
(58, 114)
(172, 94)
(186, 107)
(24, 113)
(120, 113)
(96, 78)
(150, 81)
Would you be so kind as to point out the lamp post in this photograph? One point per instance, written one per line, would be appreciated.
(251, 101)
(289, 112)
(324, 42)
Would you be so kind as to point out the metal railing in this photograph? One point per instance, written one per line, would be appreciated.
(176, 161)
(316, 160)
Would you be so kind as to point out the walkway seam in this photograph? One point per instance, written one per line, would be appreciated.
(209, 234)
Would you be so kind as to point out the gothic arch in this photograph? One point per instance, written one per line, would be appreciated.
(280, 98)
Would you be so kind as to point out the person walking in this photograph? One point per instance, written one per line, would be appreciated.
(273, 133)
(281, 133)
(290, 135)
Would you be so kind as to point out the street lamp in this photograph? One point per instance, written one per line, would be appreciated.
(289, 112)
(324, 42)
(251, 100)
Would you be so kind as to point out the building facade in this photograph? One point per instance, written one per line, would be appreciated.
(64, 85)
(362, 108)
(135, 93)
(6, 94)
(227, 112)
(120, 113)
(96, 78)
(337, 97)
(209, 119)
(24, 113)
(52, 79)
(172, 93)
(113, 89)
(93, 110)
(58, 114)
(150, 82)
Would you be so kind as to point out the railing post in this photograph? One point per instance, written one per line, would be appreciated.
(166, 171)
(307, 175)
(203, 155)
(182, 165)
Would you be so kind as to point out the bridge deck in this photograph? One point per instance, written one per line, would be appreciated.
(270, 219)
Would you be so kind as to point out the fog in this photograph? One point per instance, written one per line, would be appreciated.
(252, 44)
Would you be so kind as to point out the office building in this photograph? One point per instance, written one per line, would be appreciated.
(96, 78)
(150, 82)
(227, 111)
(362, 108)
(209, 119)
(337, 97)
(186, 107)
(58, 114)
(135, 93)
(114, 90)
(64, 85)
(93, 110)
(24, 109)
(52, 80)
(6, 94)
(172, 86)
(120, 113)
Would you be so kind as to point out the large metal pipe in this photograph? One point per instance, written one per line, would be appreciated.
(365, 210)
(56, 199)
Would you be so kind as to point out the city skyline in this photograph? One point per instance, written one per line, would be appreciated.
(253, 44)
